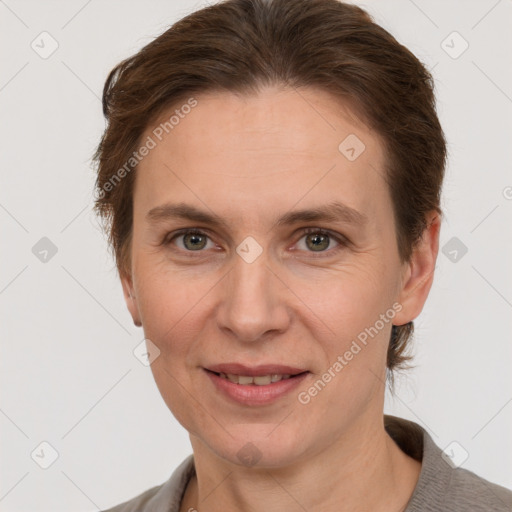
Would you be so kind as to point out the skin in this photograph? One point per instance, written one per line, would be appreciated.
(250, 159)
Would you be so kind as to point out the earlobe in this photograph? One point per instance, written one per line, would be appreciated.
(419, 272)
(131, 299)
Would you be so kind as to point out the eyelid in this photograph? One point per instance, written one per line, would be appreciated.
(169, 237)
(341, 240)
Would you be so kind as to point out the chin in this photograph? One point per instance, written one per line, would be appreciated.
(258, 445)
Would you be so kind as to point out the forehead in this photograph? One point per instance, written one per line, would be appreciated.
(278, 147)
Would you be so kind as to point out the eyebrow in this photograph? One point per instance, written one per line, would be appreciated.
(331, 212)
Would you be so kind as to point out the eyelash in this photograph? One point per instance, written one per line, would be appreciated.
(342, 241)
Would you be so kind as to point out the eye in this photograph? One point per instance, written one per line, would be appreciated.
(318, 240)
(193, 240)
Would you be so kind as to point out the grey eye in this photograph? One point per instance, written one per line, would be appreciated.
(194, 241)
(317, 241)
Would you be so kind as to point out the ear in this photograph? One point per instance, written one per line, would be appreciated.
(130, 298)
(418, 273)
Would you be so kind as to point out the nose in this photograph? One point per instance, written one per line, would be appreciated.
(253, 301)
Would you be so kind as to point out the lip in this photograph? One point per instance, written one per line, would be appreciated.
(253, 395)
(255, 371)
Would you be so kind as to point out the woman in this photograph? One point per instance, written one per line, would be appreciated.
(270, 178)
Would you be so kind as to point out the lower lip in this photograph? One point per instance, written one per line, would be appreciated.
(252, 394)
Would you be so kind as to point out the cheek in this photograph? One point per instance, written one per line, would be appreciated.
(350, 308)
(354, 346)
(169, 304)
(349, 300)
(165, 295)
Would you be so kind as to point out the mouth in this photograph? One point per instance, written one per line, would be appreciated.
(257, 386)
(256, 380)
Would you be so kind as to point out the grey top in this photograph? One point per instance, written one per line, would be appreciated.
(440, 488)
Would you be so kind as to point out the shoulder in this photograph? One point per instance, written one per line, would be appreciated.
(140, 502)
(166, 496)
(469, 491)
(442, 485)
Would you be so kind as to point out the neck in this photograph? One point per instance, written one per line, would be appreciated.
(362, 470)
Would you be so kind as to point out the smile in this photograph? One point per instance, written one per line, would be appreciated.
(260, 380)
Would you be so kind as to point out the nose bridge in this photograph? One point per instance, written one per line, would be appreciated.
(252, 303)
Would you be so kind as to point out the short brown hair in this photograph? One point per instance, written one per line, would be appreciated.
(243, 45)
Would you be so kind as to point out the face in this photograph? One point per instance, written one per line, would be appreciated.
(261, 282)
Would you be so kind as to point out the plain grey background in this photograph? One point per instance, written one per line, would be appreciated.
(68, 374)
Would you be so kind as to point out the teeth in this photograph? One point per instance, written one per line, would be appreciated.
(242, 379)
(260, 380)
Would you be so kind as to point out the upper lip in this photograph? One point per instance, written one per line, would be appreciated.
(255, 371)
